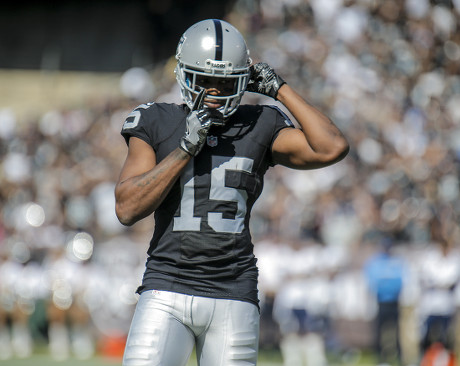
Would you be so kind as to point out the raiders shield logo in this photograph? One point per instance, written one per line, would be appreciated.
(212, 141)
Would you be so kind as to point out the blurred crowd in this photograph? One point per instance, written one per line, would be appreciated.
(387, 72)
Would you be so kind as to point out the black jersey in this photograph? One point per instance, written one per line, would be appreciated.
(201, 243)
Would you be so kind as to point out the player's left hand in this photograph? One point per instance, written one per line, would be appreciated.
(264, 80)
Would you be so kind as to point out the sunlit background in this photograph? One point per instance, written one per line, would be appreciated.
(359, 253)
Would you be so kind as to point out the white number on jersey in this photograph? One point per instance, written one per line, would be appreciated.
(187, 222)
(136, 116)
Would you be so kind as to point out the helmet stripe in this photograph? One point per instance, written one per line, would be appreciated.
(219, 39)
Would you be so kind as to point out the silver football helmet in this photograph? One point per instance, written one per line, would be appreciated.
(213, 48)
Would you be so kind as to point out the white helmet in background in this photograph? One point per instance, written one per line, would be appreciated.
(213, 48)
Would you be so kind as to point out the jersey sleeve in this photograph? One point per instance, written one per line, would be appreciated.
(136, 124)
(281, 121)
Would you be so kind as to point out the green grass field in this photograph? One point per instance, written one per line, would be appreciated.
(266, 358)
(45, 360)
(42, 358)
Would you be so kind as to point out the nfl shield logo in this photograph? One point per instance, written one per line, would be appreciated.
(212, 141)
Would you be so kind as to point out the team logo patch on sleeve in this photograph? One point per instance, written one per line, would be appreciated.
(212, 141)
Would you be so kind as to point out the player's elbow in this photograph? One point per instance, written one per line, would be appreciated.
(338, 151)
(333, 154)
(124, 215)
(341, 149)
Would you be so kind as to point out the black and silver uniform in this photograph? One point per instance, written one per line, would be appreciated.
(201, 243)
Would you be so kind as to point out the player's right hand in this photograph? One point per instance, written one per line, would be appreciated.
(197, 123)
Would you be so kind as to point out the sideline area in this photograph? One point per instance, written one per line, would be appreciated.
(28, 93)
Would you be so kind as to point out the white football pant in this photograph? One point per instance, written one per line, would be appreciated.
(167, 325)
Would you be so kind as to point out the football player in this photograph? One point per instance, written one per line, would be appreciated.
(199, 167)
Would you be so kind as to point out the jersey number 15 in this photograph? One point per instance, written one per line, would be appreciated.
(218, 191)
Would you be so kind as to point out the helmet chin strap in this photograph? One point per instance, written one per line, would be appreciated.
(216, 116)
(222, 111)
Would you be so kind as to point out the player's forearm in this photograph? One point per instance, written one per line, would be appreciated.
(139, 196)
(321, 133)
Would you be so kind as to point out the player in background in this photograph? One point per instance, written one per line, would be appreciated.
(199, 167)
